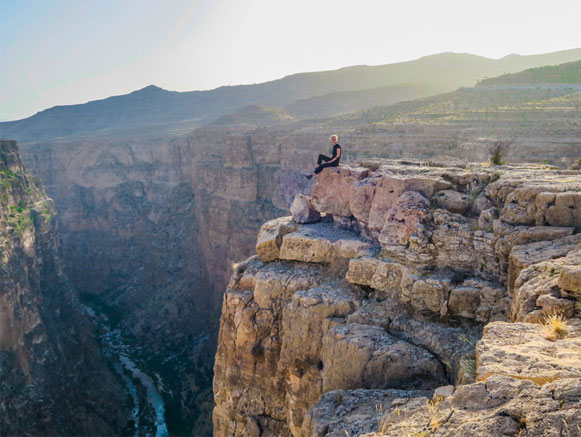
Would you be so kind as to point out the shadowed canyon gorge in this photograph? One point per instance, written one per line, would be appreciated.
(160, 195)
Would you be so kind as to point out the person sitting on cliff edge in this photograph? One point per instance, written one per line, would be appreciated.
(324, 161)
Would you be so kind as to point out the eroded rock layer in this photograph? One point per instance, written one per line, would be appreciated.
(53, 379)
(407, 297)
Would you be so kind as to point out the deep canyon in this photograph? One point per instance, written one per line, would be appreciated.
(155, 217)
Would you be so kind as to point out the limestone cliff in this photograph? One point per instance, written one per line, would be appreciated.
(409, 298)
(53, 378)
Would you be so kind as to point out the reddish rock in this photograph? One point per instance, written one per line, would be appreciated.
(390, 188)
(401, 220)
(332, 190)
(361, 198)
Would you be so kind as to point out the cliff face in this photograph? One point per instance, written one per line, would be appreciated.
(397, 278)
(54, 380)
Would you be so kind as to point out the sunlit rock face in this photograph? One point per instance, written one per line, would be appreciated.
(397, 290)
(54, 380)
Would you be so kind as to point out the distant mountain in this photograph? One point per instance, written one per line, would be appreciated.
(518, 89)
(155, 109)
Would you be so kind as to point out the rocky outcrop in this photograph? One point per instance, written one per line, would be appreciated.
(53, 378)
(349, 323)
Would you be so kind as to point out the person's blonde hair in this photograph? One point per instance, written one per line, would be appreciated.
(334, 135)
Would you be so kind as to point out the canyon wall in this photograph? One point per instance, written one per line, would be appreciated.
(409, 298)
(54, 380)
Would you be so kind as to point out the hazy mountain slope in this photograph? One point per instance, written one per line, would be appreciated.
(152, 106)
(452, 105)
(482, 96)
(253, 116)
(568, 73)
(350, 101)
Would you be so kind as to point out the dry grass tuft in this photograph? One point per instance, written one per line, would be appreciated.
(433, 411)
(554, 327)
(383, 419)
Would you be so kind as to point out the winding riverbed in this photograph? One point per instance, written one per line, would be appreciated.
(116, 349)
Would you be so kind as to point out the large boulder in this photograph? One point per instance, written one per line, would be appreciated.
(537, 294)
(452, 201)
(303, 211)
(361, 198)
(270, 237)
(570, 278)
(403, 217)
(376, 360)
(389, 189)
(524, 255)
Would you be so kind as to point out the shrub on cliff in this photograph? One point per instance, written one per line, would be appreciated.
(499, 150)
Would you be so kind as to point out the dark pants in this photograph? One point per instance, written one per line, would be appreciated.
(323, 158)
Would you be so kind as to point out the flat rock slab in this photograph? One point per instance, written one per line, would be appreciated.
(503, 406)
(520, 350)
(353, 412)
(321, 242)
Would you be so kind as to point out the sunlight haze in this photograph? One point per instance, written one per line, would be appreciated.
(68, 52)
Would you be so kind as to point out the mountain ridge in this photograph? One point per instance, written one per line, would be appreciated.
(154, 105)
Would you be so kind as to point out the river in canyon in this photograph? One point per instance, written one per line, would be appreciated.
(144, 390)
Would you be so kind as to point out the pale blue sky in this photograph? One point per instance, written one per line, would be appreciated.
(56, 52)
